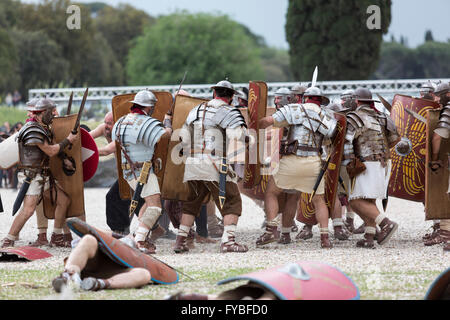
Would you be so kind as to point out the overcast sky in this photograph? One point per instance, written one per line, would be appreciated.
(410, 18)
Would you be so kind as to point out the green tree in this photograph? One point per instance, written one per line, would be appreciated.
(210, 47)
(333, 35)
(120, 26)
(276, 65)
(8, 63)
(41, 66)
(434, 58)
(398, 62)
(429, 36)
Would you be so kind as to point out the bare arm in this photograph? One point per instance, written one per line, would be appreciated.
(266, 122)
(53, 149)
(108, 149)
(167, 133)
(98, 132)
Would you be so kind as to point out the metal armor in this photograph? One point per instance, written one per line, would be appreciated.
(30, 155)
(206, 127)
(443, 126)
(322, 122)
(369, 135)
(138, 135)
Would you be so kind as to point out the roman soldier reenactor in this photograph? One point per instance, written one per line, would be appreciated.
(207, 172)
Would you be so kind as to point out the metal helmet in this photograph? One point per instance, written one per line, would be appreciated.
(315, 92)
(282, 92)
(298, 89)
(44, 104)
(427, 87)
(348, 94)
(364, 94)
(145, 98)
(242, 95)
(442, 89)
(31, 104)
(224, 84)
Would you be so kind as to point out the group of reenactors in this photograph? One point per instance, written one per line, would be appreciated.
(308, 128)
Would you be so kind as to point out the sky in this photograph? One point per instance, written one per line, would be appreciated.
(410, 18)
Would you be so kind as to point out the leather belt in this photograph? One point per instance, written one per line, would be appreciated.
(306, 148)
(206, 151)
(126, 166)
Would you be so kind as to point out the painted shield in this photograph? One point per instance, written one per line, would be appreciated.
(121, 105)
(407, 179)
(437, 201)
(28, 253)
(438, 289)
(306, 213)
(125, 255)
(89, 155)
(9, 149)
(257, 104)
(173, 187)
(304, 280)
(72, 185)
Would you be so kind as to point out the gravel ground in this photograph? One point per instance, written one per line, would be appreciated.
(401, 269)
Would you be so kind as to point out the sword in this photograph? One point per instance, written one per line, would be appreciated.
(170, 113)
(341, 181)
(319, 178)
(386, 104)
(314, 77)
(80, 112)
(222, 181)
(21, 195)
(69, 106)
(416, 115)
(143, 177)
(1, 204)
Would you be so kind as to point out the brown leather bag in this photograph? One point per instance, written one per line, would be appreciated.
(287, 148)
(355, 167)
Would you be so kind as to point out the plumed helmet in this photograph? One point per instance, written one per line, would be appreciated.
(347, 94)
(282, 92)
(224, 84)
(145, 98)
(315, 92)
(442, 88)
(364, 94)
(31, 104)
(298, 89)
(44, 104)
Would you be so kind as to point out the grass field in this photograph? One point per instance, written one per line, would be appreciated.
(12, 115)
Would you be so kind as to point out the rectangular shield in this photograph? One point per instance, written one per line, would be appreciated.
(121, 105)
(173, 187)
(72, 185)
(407, 180)
(437, 201)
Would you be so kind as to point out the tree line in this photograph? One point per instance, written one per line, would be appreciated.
(122, 45)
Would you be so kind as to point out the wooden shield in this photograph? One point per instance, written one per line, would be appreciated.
(173, 187)
(121, 105)
(407, 180)
(306, 213)
(437, 201)
(72, 185)
(257, 104)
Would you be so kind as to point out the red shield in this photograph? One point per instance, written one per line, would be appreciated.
(304, 280)
(89, 155)
(407, 179)
(28, 253)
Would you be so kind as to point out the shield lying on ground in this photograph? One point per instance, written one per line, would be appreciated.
(23, 253)
(407, 179)
(125, 255)
(173, 187)
(437, 201)
(306, 213)
(9, 149)
(303, 280)
(440, 288)
(72, 185)
(121, 105)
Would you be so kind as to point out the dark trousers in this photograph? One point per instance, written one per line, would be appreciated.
(201, 222)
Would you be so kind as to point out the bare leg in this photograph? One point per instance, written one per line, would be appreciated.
(29, 205)
(271, 200)
(62, 204)
(85, 250)
(322, 217)
(290, 210)
(134, 278)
